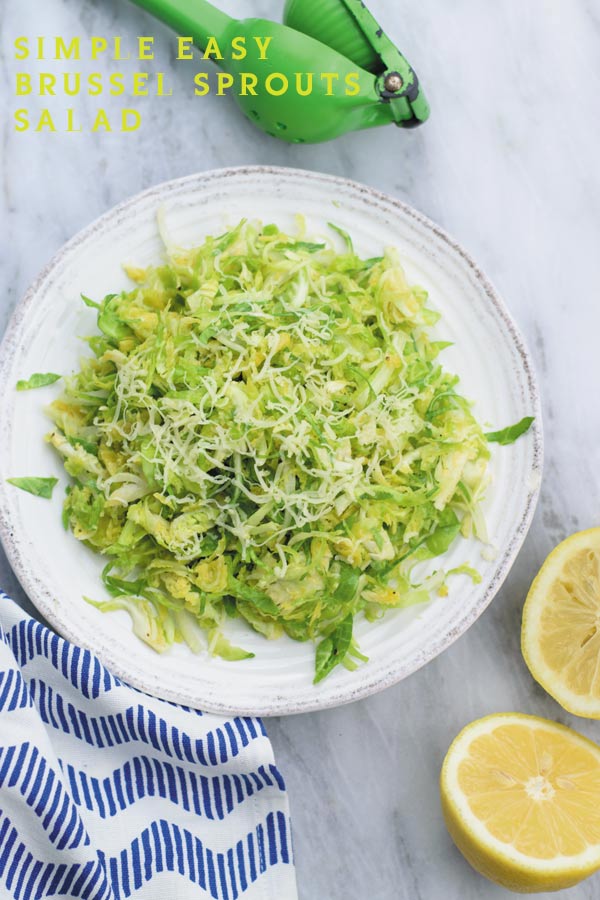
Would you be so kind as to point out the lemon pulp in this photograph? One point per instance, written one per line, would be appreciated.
(521, 798)
(561, 624)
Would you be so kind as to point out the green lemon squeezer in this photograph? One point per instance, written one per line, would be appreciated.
(319, 36)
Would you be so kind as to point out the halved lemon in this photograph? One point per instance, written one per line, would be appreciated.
(521, 799)
(560, 636)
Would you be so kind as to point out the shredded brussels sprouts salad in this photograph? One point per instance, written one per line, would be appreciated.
(264, 431)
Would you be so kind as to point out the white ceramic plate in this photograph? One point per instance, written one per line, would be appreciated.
(56, 570)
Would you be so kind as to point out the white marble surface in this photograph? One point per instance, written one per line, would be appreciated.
(509, 164)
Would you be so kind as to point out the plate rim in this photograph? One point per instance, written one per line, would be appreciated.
(398, 669)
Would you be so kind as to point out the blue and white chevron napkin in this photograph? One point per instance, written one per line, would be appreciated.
(107, 793)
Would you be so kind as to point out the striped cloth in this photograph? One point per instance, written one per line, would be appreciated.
(107, 793)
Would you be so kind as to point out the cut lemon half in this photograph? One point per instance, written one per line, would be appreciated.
(560, 636)
(521, 799)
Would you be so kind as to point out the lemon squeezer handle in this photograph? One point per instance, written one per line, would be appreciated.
(197, 19)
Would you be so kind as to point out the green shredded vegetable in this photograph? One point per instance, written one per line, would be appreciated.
(39, 487)
(37, 380)
(509, 435)
(265, 431)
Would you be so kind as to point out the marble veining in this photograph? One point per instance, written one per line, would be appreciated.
(508, 164)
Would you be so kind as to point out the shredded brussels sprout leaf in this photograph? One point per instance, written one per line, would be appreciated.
(265, 431)
(509, 435)
(39, 487)
(39, 379)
